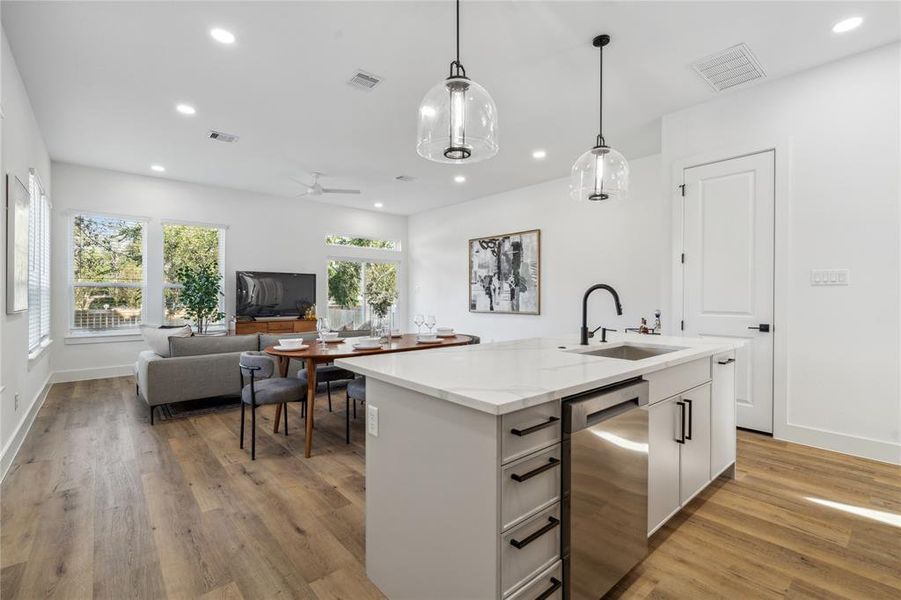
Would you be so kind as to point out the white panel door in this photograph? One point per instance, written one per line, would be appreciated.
(728, 234)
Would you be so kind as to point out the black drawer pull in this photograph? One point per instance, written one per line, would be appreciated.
(519, 545)
(727, 361)
(688, 402)
(534, 428)
(555, 585)
(681, 438)
(551, 463)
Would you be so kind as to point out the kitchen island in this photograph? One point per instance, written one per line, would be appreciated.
(466, 457)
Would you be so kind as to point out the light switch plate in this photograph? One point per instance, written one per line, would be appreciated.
(829, 277)
(372, 420)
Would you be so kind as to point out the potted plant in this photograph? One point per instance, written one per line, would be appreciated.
(199, 294)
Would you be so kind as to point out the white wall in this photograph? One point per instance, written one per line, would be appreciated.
(840, 125)
(22, 149)
(265, 233)
(623, 243)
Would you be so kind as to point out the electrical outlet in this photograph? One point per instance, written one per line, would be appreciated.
(16, 402)
(829, 277)
(372, 420)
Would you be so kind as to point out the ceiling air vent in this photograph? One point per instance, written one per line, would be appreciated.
(219, 136)
(363, 80)
(407, 178)
(729, 68)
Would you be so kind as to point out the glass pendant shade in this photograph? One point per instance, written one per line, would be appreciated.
(602, 173)
(457, 123)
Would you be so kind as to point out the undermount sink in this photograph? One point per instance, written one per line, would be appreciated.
(631, 352)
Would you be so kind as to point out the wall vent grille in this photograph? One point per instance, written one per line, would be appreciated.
(363, 80)
(730, 68)
(220, 136)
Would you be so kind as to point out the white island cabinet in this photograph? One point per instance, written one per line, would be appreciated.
(465, 468)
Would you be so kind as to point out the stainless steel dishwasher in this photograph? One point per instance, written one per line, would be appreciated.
(605, 487)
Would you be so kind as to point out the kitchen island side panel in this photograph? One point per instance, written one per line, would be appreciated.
(431, 497)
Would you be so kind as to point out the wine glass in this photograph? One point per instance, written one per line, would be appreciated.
(323, 328)
(418, 320)
(430, 322)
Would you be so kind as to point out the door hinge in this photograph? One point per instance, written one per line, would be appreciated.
(682, 187)
(682, 325)
(683, 258)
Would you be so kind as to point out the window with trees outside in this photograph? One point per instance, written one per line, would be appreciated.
(357, 288)
(186, 245)
(38, 266)
(107, 258)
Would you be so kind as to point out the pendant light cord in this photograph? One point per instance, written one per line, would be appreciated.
(601, 99)
(456, 63)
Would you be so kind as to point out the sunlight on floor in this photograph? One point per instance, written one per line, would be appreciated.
(889, 518)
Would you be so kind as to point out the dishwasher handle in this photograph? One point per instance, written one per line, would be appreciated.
(590, 408)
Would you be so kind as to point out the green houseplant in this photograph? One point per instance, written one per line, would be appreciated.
(200, 293)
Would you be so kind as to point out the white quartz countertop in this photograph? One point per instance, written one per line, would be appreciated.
(503, 377)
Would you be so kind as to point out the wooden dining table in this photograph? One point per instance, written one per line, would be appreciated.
(318, 352)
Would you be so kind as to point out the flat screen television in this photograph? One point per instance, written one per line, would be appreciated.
(262, 294)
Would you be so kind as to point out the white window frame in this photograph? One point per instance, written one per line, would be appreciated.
(39, 260)
(397, 244)
(223, 229)
(72, 284)
(363, 260)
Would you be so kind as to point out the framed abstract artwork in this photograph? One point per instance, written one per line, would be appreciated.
(505, 273)
(17, 205)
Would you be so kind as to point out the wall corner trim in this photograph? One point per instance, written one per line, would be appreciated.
(15, 442)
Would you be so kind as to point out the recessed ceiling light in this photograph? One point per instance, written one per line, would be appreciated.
(222, 36)
(847, 25)
(539, 154)
(185, 109)
(460, 179)
(158, 168)
(378, 205)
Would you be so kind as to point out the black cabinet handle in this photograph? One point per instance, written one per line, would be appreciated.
(519, 545)
(764, 327)
(726, 362)
(551, 463)
(534, 428)
(555, 585)
(688, 402)
(681, 438)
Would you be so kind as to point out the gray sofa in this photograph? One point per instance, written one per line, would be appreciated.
(202, 366)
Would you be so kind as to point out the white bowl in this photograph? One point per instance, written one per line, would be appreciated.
(291, 343)
(369, 342)
(445, 331)
(427, 337)
(328, 335)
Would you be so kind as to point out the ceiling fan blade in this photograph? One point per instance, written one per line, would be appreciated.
(300, 181)
(339, 191)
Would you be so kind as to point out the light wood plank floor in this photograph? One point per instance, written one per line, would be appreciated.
(100, 504)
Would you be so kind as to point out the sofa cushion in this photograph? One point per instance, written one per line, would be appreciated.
(158, 337)
(212, 344)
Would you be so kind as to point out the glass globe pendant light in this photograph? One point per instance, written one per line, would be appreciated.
(602, 172)
(457, 118)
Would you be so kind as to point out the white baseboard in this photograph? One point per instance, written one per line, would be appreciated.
(887, 452)
(97, 373)
(15, 442)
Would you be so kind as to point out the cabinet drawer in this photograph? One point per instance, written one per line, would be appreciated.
(281, 326)
(547, 586)
(530, 484)
(529, 548)
(530, 429)
(244, 328)
(675, 380)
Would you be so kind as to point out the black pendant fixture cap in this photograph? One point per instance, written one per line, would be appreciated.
(601, 40)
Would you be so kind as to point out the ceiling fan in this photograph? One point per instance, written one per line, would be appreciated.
(315, 189)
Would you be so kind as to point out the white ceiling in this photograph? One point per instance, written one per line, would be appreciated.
(104, 79)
